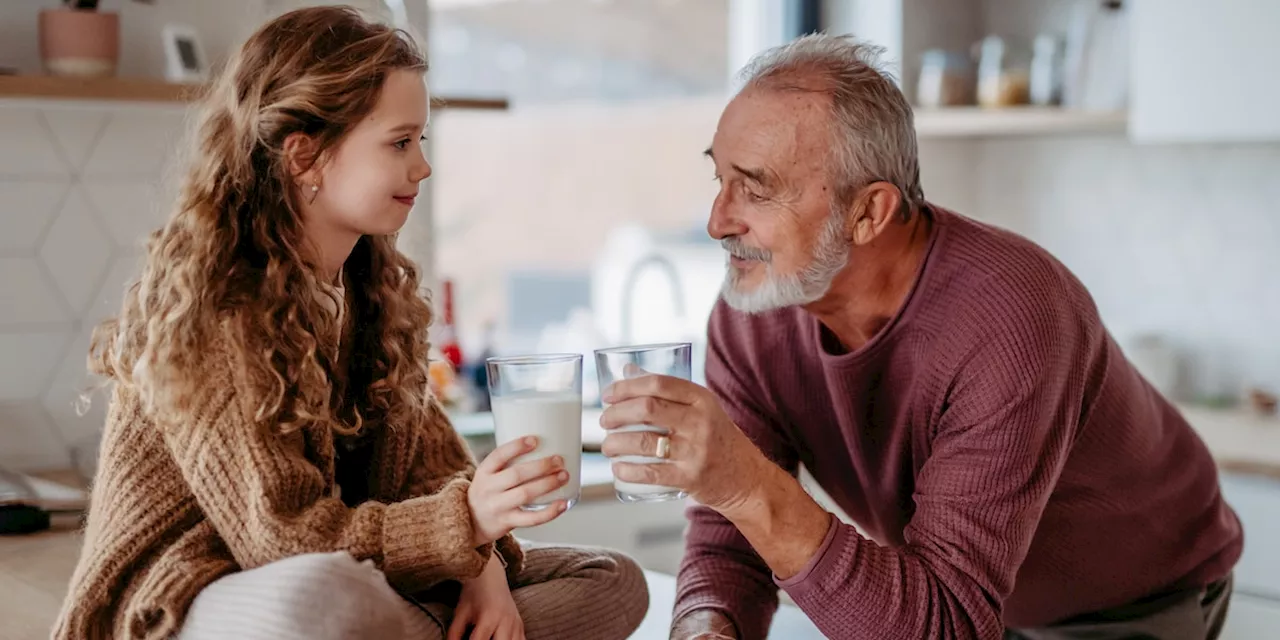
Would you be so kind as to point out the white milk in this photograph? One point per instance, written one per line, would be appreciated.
(636, 492)
(556, 418)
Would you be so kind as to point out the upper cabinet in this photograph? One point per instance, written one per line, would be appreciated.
(1158, 71)
(1204, 71)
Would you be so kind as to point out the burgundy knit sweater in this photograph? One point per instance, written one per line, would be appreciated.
(1009, 465)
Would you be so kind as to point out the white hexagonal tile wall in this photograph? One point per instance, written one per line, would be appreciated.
(76, 251)
(28, 440)
(70, 382)
(23, 129)
(124, 270)
(27, 297)
(27, 206)
(137, 143)
(75, 133)
(129, 209)
(28, 362)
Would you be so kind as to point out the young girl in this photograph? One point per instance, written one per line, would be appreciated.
(272, 464)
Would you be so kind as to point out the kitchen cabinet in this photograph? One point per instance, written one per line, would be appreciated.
(1197, 71)
(1255, 608)
(1204, 71)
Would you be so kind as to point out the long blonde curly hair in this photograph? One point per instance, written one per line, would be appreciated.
(231, 263)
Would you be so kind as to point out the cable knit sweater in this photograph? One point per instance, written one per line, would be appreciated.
(173, 509)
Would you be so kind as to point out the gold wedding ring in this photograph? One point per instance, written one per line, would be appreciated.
(663, 448)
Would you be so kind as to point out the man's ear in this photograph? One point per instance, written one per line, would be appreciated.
(873, 210)
(300, 154)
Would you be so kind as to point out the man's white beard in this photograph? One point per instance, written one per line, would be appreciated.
(830, 255)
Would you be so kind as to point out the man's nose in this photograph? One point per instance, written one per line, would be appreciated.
(722, 222)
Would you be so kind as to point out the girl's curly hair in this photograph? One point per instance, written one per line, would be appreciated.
(231, 265)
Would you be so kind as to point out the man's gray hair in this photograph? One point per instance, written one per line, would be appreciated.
(873, 131)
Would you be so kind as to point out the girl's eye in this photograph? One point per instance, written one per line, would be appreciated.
(404, 144)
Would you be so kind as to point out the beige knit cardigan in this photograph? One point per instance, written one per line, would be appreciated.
(172, 509)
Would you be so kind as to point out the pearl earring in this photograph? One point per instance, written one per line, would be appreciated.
(315, 188)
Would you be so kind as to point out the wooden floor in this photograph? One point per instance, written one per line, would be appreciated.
(34, 570)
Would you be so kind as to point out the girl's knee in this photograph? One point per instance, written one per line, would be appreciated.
(321, 595)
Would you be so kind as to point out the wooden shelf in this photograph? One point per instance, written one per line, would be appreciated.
(975, 122)
(150, 90)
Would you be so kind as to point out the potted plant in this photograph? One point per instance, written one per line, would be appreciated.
(78, 40)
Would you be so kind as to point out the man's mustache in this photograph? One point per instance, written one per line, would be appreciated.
(735, 247)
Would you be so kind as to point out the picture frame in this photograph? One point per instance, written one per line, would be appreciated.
(185, 60)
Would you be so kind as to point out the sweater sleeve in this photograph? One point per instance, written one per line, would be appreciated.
(440, 456)
(996, 453)
(269, 502)
(720, 569)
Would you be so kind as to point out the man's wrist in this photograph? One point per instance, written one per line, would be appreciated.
(781, 520)
(703, 624)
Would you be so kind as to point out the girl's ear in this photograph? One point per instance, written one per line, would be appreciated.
(303, 163)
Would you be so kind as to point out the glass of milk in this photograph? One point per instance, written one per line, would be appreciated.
(672, 359)
(541, 396)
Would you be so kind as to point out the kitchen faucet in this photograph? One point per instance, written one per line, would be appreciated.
(628, 285)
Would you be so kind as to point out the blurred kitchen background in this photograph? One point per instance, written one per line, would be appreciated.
(1138, 141)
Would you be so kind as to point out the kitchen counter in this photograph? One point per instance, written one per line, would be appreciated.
(1241, 441)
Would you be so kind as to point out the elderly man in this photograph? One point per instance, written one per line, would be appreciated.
(949, 384)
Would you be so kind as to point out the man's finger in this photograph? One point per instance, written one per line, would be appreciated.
(664, 474)
(639, 443)
(648, 410)
(499, 458)
(668, 388)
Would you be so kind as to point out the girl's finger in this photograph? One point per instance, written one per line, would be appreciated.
(499, 458)
(461, 620)
(521, 519)
(522, 472)
(485, 627)
(532, 490)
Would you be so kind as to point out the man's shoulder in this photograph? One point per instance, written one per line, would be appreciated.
(991, 270)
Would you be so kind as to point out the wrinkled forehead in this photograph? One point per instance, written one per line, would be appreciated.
(786, 130)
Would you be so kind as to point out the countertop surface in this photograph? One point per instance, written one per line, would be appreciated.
(1241, 441)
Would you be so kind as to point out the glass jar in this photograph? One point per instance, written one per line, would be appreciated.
(1003, 74)
(946, 80)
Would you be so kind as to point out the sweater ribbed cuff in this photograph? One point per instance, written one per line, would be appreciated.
(431, 538)
(161, 603)
(512, 557)
(803, 583)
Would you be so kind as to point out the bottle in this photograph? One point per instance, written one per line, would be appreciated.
(448, 338)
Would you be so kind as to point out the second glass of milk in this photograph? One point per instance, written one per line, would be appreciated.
(541, 396)
(672, 359)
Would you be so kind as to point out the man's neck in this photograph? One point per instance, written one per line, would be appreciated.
(875, 285)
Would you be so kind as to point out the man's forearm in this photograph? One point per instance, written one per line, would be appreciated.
(781, 521)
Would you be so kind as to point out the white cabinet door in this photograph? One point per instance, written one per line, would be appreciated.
(1204, 71)
(1250, 618)
(1256, 501)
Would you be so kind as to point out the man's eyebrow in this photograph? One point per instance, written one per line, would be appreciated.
(758, 176)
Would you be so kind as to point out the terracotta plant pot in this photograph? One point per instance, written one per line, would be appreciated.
(79, 43)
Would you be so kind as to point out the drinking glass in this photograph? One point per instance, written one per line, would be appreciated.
(541, 395)
(672, 359)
